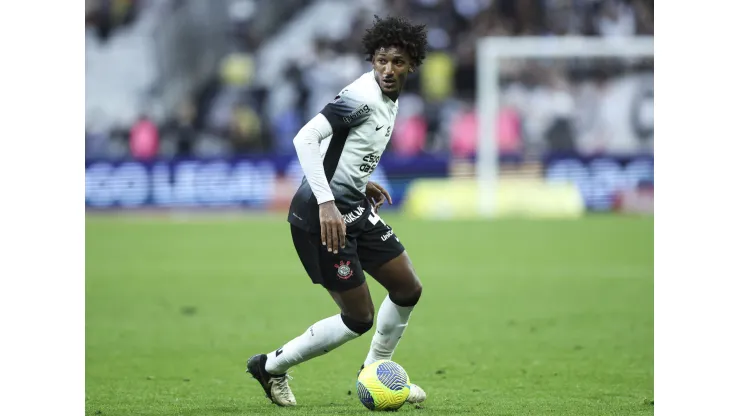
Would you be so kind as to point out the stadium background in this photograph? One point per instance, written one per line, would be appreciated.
(226, 85)
(191, 106)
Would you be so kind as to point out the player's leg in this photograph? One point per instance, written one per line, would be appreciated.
(404, 288)
(341, 274)
(355, 318)
(385, 258)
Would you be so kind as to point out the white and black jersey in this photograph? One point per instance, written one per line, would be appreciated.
(352, 132)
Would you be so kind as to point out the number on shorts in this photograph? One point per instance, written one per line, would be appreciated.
(374, 217)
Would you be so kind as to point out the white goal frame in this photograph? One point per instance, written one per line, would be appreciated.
(490, 50)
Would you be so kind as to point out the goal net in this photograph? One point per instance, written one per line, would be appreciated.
(589, 98)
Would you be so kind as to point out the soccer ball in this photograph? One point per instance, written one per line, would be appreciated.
(383, 385)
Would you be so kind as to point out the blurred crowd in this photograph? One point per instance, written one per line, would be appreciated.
(582, 105)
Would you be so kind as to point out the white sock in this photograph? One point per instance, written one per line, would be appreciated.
(391, 322)
(319, 338)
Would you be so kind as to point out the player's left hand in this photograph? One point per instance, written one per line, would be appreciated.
(377, 194)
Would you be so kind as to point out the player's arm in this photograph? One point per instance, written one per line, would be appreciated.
(307, 144)
(377, 194)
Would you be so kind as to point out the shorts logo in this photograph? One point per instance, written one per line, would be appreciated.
(387, 235)
(343, 270)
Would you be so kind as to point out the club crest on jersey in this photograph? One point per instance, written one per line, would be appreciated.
(343, 270)
(338, 99)
(359, 111)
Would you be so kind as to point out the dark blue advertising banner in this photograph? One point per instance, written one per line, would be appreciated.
(264, 182)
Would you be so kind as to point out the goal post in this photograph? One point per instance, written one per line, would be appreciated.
(490, 52)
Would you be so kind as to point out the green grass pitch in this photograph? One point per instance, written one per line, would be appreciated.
(545, 317)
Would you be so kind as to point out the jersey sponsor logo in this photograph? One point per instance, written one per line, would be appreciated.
(359, 111)
(354, 215)
(343, 270)
(371, 162)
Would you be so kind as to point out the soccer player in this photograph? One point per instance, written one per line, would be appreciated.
(333, 217)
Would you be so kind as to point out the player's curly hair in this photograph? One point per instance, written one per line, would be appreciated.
(398, 32)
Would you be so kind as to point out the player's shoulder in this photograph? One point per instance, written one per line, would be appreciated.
(362, 90)
(355, 104)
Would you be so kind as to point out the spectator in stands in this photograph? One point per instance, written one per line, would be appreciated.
(615, 18)
(180, 132)
(240, 113)
(144, 139)
(437, 78)
(409, 136)
(464, 131)
(108, 15)
(245, 131)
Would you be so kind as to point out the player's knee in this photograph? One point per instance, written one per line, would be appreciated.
(408, 296)
(358, 324)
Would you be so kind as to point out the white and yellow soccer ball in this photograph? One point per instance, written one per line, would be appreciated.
(383, 385)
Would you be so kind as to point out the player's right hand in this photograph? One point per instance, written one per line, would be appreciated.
(333, 229)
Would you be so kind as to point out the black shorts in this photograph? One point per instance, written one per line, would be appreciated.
(370, 243)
